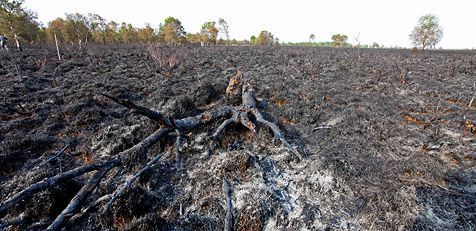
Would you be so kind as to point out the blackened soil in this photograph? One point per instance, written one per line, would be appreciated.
(388, 137)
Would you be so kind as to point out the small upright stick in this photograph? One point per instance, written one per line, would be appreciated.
(57, 48)
(472, 98)
(229, 205)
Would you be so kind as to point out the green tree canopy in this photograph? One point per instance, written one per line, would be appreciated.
(97, 26)
(55, 27)
(427, 33)
(265, 38)
(172, 31)
(253, 40)
(209, 33)
(112, 35)
(76, 29)
(127, 33)
(17, 22)
(339, 40)
(146, 34)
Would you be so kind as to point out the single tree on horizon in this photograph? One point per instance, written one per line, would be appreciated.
(209, 33)
(312, 38)
(265, 38)
(339, 40)
(172, 31)
(223, 28)
(427, 33)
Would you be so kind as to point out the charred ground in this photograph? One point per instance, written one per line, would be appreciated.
(387, 138)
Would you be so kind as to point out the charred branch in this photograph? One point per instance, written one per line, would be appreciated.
(88, 208)
(162, 120)
(242, 114)
(223, 125)
(192, 122)
(139, 148)
(56, 155)
(127, 184)
(48, 182)
(79, 198)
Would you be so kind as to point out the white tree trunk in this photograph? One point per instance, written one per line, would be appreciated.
(57, 48)
(17, 42)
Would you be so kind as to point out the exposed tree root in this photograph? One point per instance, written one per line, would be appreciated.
(243, 114)
(224, 125)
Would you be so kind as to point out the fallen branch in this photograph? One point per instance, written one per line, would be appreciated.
(56, 155)
(143, 146)
(6, 224)
(139, 148)
(89, 207)
(48, 182)
(321, 127)
(189, 123)
(80, 196)
(162, 120)
(127, 184)
(185, 124)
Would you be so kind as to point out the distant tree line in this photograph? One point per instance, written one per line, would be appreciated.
(79, 29)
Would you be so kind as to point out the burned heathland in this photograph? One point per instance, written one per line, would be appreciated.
(237, 138)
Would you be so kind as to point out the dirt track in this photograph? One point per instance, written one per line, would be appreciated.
(387, 137)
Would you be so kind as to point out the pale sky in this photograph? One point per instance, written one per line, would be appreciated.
(386, 22)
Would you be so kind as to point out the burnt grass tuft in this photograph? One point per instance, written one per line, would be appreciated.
(386, 136)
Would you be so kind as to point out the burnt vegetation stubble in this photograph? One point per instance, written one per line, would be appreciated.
(390, 134)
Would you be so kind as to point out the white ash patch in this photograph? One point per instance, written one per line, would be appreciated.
(112, 138)
(291, 190)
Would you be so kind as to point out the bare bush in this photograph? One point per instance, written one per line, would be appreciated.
(167, 60)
